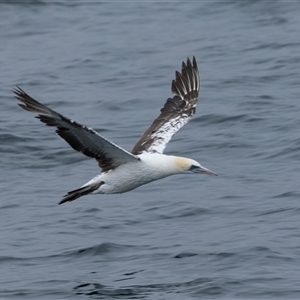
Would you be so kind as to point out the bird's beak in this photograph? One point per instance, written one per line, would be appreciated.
(204, 171)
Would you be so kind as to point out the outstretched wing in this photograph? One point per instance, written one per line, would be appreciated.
(176, 112)
(79, 137)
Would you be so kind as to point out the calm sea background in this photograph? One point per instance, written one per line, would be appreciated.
(109, 65)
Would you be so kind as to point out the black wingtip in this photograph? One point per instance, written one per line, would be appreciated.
(17, 91)
(188, 80)
(195, 63)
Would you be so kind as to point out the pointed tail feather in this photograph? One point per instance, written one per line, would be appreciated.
(75, 194)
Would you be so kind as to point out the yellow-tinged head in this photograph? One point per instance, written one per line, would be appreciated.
(191, 166)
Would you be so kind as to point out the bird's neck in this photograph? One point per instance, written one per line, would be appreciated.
(162, 165)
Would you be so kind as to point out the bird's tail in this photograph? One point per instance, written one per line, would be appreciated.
(73, 195)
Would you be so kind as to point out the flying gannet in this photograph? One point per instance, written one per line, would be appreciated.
(122, 171)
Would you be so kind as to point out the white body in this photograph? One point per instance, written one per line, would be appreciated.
(128, 176)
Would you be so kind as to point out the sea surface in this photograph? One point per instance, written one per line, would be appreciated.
(109, 65)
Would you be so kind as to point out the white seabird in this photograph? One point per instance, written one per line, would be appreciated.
(122, 171)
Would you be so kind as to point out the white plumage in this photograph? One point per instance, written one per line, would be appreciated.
(123, 171)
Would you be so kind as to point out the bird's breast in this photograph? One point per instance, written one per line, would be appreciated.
(132, 175)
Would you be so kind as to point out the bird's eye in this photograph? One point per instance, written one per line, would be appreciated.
(193, 167)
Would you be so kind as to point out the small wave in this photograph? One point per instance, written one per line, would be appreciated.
(143, 291)
(274, 211)
(100, 249)
(186, 212)
(185, 254)
(287, 195)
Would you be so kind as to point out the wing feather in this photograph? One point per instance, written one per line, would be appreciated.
(81, 138)
(176, 112)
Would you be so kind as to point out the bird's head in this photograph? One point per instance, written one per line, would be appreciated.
(187, 165)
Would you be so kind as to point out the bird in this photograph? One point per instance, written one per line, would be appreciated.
(121, 170)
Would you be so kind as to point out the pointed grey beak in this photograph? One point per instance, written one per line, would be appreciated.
(204, 171)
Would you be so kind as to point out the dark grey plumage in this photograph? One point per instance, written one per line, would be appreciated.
(81, 138)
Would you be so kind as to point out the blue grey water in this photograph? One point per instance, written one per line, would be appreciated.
(109, 65)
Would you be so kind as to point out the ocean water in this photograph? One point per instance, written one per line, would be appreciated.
(109, 65)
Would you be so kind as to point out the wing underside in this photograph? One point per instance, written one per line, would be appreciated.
(176, 112)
